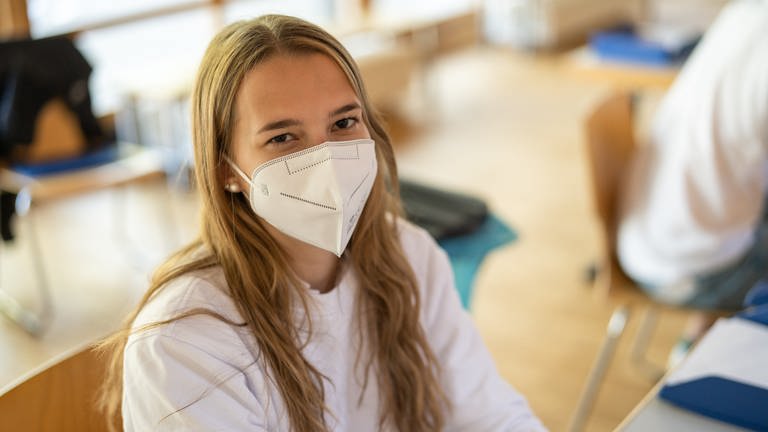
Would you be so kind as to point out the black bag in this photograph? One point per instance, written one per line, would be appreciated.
(443, 214)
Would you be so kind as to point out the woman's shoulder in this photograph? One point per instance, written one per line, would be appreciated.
(418, 245)
(414, 238)
(202, 296)
(426, 257)
(199, 290)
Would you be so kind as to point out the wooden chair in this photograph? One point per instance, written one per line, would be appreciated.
(609, 147)
(57, 156)
(60, 396)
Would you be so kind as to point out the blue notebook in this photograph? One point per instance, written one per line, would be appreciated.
(726, 375)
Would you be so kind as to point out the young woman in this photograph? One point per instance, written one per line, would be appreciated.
(307, 303)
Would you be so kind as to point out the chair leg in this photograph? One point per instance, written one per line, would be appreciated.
(591, 273)
(588, 396)
(641, 342)
(33, 323)
(120, 230)
(133, 252)
(29, 321)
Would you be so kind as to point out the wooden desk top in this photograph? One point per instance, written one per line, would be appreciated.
(585, 63)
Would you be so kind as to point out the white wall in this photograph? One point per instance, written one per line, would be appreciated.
(548, 23)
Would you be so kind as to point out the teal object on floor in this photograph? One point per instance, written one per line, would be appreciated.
(468, 251)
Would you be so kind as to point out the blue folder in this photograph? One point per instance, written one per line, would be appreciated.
(723, 399)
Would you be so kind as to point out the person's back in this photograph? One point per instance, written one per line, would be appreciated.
(696, 190)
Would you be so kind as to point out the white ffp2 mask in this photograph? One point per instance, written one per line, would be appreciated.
(315, 195)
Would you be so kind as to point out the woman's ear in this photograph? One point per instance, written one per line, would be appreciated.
(232, 186)
(230, 179)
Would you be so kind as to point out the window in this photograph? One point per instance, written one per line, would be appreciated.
(152, 47)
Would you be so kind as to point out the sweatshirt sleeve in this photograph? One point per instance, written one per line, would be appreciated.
(481, 399)
(189, 375)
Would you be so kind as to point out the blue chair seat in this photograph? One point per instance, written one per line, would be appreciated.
(94, 158)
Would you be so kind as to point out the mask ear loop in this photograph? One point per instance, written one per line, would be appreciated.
(237, 169)
(232, 210)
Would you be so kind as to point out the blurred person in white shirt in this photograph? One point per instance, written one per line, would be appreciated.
(694, 223)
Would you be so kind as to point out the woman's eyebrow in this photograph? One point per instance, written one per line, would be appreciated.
(346, 108)
(279, 124)
(284, 123)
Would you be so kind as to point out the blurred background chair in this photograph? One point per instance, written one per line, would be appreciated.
(51, 146)
(60, 396)
(609, 146)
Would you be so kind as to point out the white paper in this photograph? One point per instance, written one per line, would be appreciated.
(734, 348)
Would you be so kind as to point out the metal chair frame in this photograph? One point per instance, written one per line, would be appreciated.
(136, 165)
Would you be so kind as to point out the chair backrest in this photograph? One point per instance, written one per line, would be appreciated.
(61, 397)
(610, 143)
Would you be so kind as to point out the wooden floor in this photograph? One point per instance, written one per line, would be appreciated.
(501, 125)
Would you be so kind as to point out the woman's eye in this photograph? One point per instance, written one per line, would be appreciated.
(280, 139)
(346, 123)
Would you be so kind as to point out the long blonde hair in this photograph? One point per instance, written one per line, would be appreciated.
(256, 268)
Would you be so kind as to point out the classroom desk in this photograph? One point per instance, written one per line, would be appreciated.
(654, 414)
(733, 350)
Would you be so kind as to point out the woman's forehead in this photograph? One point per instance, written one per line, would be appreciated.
(304, 89)
(293, 75)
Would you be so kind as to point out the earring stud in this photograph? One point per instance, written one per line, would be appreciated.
(232, 187)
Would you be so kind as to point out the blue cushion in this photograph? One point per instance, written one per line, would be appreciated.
(91, 159)
(468, 251)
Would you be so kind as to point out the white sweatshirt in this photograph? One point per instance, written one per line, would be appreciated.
(696, 189)
(201, 374)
